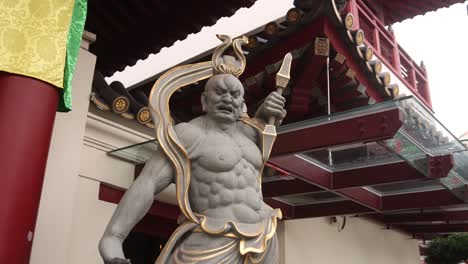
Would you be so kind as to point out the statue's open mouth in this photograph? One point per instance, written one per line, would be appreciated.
(225, 108)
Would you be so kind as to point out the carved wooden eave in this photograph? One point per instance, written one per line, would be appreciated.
(128, 31)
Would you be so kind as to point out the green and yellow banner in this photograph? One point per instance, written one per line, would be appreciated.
(41, 39)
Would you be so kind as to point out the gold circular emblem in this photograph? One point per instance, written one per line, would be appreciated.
(349, 21)
(393, 90)
(120, 104)
(359, 38)
(144, 115)
(387, 78)
(271, 28)
(369, 54)
(378, 67)
(253, 42)
(293, 15)
(396, 90)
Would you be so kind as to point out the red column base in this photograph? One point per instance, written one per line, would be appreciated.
(27, 114)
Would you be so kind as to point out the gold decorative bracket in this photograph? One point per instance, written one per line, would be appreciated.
(322, 46)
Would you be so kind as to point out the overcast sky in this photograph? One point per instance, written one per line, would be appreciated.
(439, 38)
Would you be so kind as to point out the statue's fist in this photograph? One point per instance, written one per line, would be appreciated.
(111, 251)
(119, 261)
(273, 106)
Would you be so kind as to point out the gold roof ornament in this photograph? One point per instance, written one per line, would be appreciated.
(229, 64)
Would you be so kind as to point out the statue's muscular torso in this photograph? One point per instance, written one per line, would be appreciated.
(225, 168)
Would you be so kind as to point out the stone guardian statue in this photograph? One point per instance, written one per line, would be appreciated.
(216, 161)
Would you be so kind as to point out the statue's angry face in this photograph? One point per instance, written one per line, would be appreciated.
(223, 98)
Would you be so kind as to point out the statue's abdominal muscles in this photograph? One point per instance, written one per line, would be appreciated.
(225, 179)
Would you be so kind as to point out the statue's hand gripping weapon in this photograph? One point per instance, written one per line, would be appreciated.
(282, 79)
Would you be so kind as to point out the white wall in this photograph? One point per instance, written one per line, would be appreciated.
(91, 215)
(362, 241)
(90, 218)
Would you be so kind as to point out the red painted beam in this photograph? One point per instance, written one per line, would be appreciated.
(365, 128)
(171, 212)
(304, 170)
(296, 40)
(419, 200)
(336, 40)
(372, 175)
(441, 228)
(325, 179)
(287, 187)
(287, 210)
(439, 166)
(337, 82)
(349, 97)
(311, 68)
(156, 226)
(160, 209)
(363, 197)
(330, 209)
(160, 221)
(442, 216)
(319, 176)
(386, 173)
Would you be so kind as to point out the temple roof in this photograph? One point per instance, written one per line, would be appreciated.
(362, 71)
(128, 31)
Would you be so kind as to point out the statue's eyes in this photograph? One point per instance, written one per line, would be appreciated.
(235, 94)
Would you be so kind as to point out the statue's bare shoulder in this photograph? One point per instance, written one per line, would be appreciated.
(249, 132)
(190, 133)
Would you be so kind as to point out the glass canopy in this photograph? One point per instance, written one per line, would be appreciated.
(420, 135)
(455, 181)
(351, 156)
(310, 198)
(405, 187)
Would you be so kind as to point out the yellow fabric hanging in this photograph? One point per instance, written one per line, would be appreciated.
(33, 38)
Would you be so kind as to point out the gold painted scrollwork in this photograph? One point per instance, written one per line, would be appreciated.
(229, 65)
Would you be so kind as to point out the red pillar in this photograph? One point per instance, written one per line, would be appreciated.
(27, 114)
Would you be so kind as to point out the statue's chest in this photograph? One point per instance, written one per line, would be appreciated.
(220, 152)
